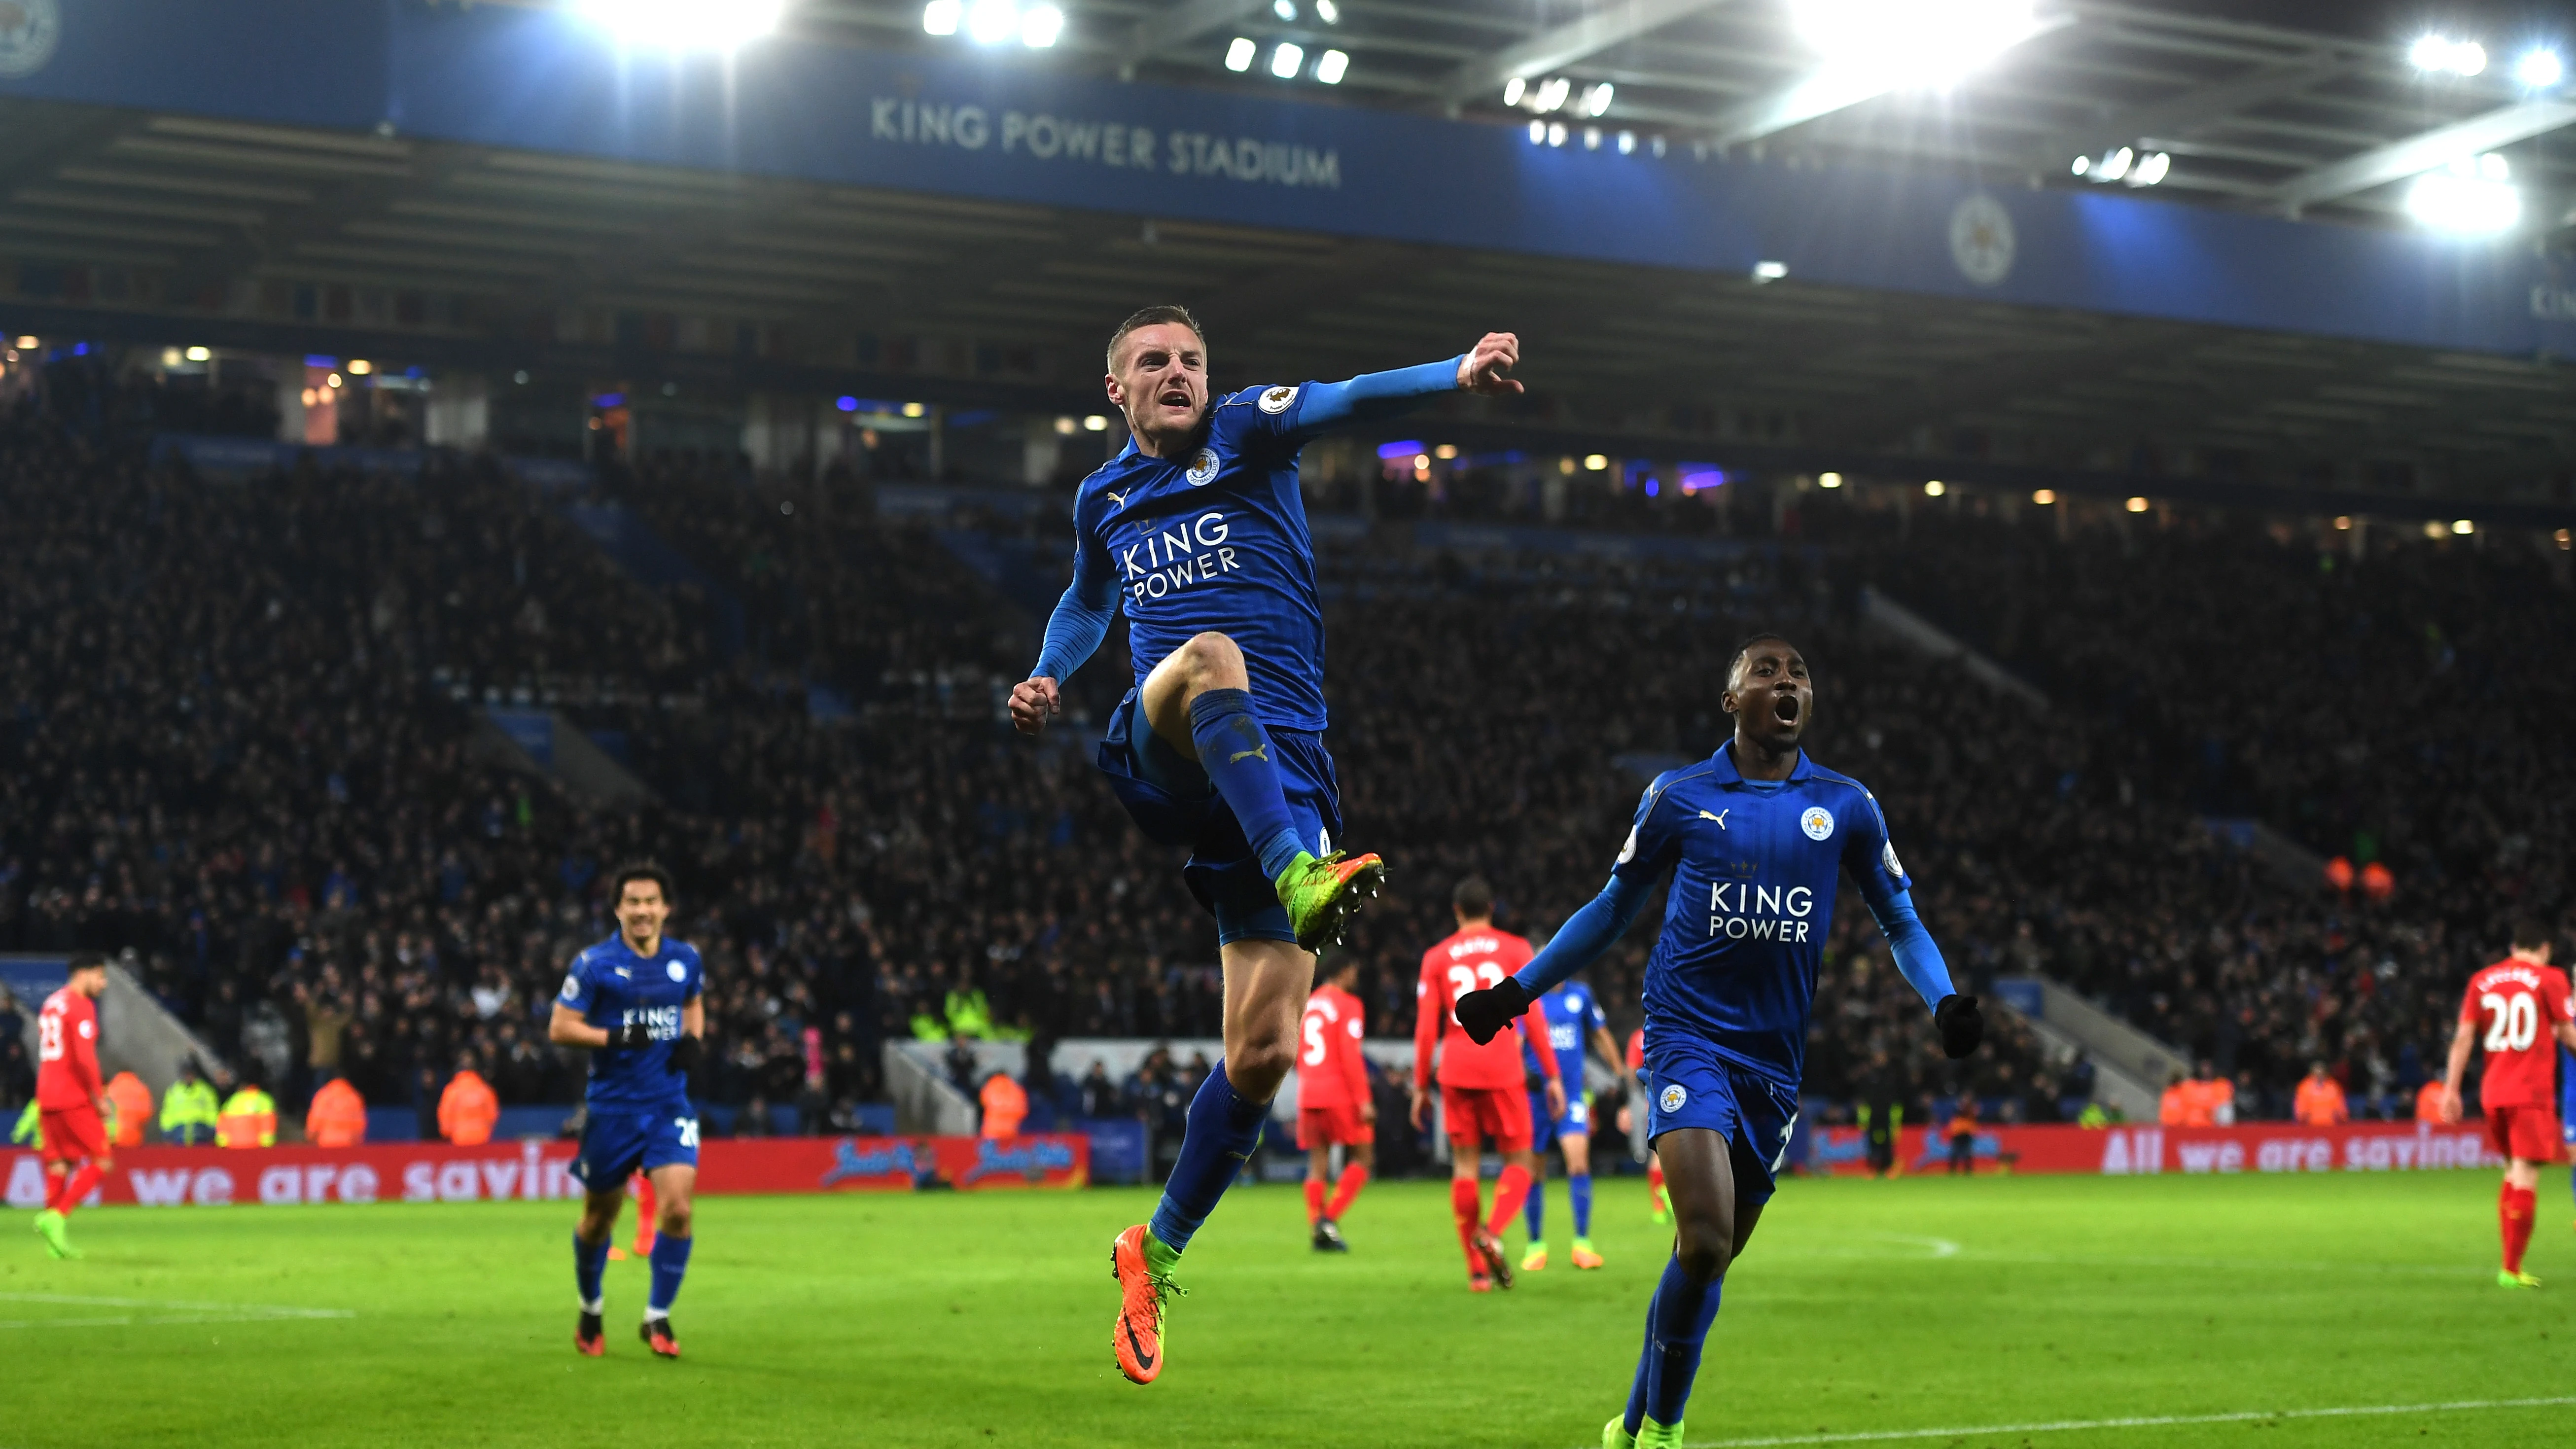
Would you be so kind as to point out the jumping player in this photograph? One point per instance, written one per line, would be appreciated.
(1197, 531)
(1755, 838)
(2523, 1003)
(1571, 1012)
(1333, 1106)
(1483, 1089)
(71, 1102)
(637, 1001)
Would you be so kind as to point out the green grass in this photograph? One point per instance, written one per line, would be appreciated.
(983, 1319)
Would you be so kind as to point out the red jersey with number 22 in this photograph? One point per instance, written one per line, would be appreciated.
(2515, 1005)
(1472, 960)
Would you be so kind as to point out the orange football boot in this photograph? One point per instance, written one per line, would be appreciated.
(1138, 1334)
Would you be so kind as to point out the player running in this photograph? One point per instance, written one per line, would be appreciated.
(637, 1000)
(1755, 838)
(71, 1101)
(1483, 1089)
(1197, 531)
(1571, 1011)
(1333, 1106)
(2524, 1003)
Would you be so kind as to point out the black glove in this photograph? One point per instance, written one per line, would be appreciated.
(632, 1034)
(1961, 1025)
(685, 1053)
(1485, 1013)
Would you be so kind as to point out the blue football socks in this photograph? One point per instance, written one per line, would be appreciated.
(1578, 1191)
(1534, 1209)
(1235, 752)
(670, 1263)
(1676, 1327)
(589, 1261)
(1219, 1137)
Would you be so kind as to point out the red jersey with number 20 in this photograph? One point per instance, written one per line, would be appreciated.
(1473, 960)
(2515, 1006)
(67, 1052)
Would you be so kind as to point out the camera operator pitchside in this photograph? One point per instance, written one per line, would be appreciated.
(1756, 837)
(1198, 532)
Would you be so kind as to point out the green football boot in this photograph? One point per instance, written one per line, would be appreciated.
(1615, 1435)
(1651, 1435)
(51, 1227)
(1323, 895)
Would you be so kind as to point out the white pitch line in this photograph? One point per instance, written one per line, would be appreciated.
(2155, 1421)
(175, 1312)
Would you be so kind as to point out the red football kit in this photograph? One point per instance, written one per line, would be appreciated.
(1332, 1080)
(1484, 1090)
(2515, 1005)
(67, 1078)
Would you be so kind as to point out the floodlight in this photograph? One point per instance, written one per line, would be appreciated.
(1286, 10)
(2463, 525)
(1538, 133)
(683, 24)
(1597, 99)
(1552, 93)
(2083, 164)
(940, 17)
(1596, 461)
(1829, 480)
(1095, 423)
(2469, 196)
(2044, 496)
(1770, 271)
(1331, 67)
(1592, 138)
(1238, 56)
(2152, 170)
(1934, 488)
(2468, 57)
(1513, 90)
(2431, 52)
(2137, 505)
(2539, 69)
(1285, 61)
(2116, 165)
(1556, 133)
(1912, 42)
(1328, 12)
(1040, 25)
(200, 354)
(1627, 143)
(990, 22)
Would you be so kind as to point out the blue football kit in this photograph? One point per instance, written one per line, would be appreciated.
(639, 1104)
(1217, 542)
(1573, 1014)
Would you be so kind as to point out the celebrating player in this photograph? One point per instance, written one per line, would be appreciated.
(1571, 1011)
(1333, 1106)
(71, 1103)
(1483, 1089)
(1755, 838)
(2524, 1003)
(1198, 532)
(637, 1001)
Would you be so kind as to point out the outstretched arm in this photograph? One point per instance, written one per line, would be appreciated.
(1484, 368)
(1577, 944)
(1073, 633)
(1961, 1024)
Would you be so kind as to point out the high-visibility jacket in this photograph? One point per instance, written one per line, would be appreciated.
(249, 1119)
(133, 1103)
(467, 1110)
(2320, 1103)
(968, 1015)
(188, 1112)
(2428, 1102)
(30, 1128)
(1006, 1106)
(337, 1116)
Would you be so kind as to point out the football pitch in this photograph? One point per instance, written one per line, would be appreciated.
(2271, 1310)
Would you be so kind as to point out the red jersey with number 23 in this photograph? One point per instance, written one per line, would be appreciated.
(2515, 1005)
(67, 1052)
(1472, 960)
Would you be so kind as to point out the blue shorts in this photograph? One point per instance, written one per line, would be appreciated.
(1545, 1129)
(615, 1143)
(1172, 800)
(1689, 1085)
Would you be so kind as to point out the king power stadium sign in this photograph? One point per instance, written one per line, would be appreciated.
(1093, 142)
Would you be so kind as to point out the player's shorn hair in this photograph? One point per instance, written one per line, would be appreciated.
(1153, 317)
(1473, 898)
(85, 961)
(639, 870)
(2530, 934)
(1745, 645)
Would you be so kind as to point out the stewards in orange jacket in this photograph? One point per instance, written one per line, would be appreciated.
(2428, 1103)
(248, 1119)
(337, 1116)
(2320, 1102)
(467, 1109)
(133, 1102)
(1006, 1106)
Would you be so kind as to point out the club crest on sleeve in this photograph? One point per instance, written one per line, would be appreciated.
(678, 971)
(1818, 822)
(1277, 399)
(1202, 468)
(1887, 857)
(571, 986)
(1628, 852)
(1672, 1098)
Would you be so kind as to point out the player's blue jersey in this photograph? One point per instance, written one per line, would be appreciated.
(1755, 865)
(1218, 541)
(2567, 1093)
(1572, 1015)
(611, 986)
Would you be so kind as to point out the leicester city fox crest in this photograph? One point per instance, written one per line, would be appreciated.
(1277, 399)
(1202, 468)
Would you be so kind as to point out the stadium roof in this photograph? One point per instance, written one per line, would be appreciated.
(177, 228)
